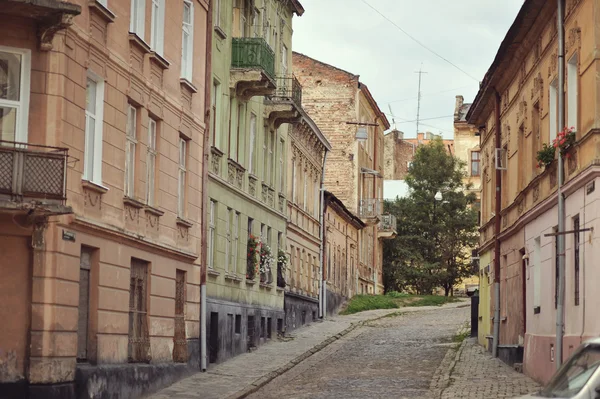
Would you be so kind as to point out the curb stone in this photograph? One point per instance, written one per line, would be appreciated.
(446, 367)
(264, 380)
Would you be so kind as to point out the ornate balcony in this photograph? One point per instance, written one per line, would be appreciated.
(285, 105)
(387, 227)
(51, 16)
(33, 177)
(252, 67)
(369, 210)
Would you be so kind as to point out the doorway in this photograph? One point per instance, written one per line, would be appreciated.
(214, 337)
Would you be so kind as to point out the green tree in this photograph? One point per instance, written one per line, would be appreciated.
(434, 235)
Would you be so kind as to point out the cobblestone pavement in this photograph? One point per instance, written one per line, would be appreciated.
(478, 375)
(394, 357)
(246, 372)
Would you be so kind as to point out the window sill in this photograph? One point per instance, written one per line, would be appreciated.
(253, 177)
(133, 203)
(280, 289)
(139, 42)
(153, 211)
(213, 273)
(236, 165)
(94, 187)
(102, 11)
(215, 151)
(184, 223)
(250, 282)
(188, 85)
(159, 60)
(220, 32)
(266, 286)
(233, 277)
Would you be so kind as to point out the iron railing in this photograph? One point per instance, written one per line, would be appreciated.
(369, 208)
(388, 223)
(33, 171)
(288, 88)
(253, 53)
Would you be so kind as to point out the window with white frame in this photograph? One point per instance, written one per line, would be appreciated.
(212, 216)
(553, 111)
(182, 176)
(572, 92)
(294, 182)
(217, 6)
(92, 157)
(304, 199)
(281, 166)
(157, 34)
(266, 169)
(215, 97)
(252, 155)
(235, 241)
(228, 238)
(130, 145)
(284, 61)
(151, 162)
(15, 69)
(137, 19)
(187, 40)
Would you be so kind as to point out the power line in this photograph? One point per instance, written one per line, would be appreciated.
(429, 119)
(429, 94)
(419, 43)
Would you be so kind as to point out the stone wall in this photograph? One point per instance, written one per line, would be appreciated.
(299, 310)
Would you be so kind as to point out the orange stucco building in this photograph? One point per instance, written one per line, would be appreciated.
(100, 208)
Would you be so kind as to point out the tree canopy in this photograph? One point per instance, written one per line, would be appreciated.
(432, 248)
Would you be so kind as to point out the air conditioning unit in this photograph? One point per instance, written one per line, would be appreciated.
(501, 158)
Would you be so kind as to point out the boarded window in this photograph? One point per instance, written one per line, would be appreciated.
(85, 266)
(180, 351)
(139, 342)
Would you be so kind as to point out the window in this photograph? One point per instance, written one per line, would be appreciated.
(228, 238)
(236, 241)
(130, 145)
(211, 233)
(187, 40)
(556, 268)
(238, 323)
(305, 194)
(85, 266)
(250, 224)
(475, 171)
(262, 327)
(151, 162)
(537, 275)
(92, 167)
(553, 111)
(266, 171)
(14, 93)
(535, 137)
(139, 342)
(251, 156)
(576, 244)
(217, 6)
(294, 182)
(157, 35)
(256, 18)
(572, 92)
(284, 62)
(180, 350)
(269, 327)
(271, 159)
(317, 198)
(263, 232)
(234, 146)
(281, 166)
(215, 98)
(138, 17)
(182, 177)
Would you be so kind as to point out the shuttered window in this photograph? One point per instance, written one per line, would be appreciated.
(180, 351)
(139, 341)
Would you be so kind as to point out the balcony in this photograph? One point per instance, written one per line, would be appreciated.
(369, 210)
(387, 227)
(285, 105)
(33, 178)
(51, 16)
(252, 67)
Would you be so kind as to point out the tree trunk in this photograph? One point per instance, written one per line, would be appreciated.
(446, 289)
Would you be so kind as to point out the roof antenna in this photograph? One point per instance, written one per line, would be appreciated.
(393, 117)
(420, 72)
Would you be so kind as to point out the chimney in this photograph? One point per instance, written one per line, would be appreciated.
(420, 137)
(398, 135)
(428, 136)
(459, 103)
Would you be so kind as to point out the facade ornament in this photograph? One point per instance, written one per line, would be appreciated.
(48, 29)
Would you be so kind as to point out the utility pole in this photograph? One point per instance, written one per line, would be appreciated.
(420, 72)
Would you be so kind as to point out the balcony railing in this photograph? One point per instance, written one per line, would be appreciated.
(387, 223)
(33, 172)
(369, 208)
(288, 88)
(253, 53)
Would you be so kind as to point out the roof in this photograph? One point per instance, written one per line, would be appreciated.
(337, 203)
(462, 112)
(297, 7)
(350, 74)
(313, 126)
(528, 24)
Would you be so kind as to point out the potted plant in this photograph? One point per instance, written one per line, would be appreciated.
(545, 156)
(282, 260)
(266, 262)
(565, 140)
(253, 257)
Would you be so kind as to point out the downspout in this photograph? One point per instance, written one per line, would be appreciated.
(560, 303)
(498, 208)
(322, 277)
(203, 225)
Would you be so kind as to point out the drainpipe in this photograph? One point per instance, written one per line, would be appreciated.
(560, 303)
(498, 208)
(323, 281)
(203, 225)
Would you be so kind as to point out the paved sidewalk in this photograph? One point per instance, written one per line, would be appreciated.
(474, 373)
(246, 373)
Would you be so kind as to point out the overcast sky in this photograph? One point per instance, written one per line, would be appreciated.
(350, 35)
